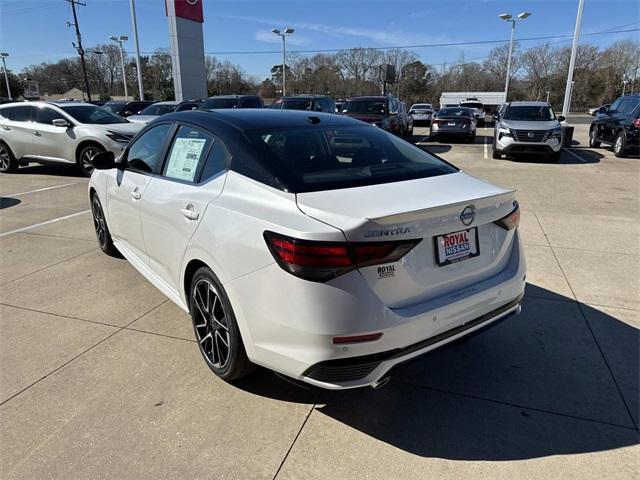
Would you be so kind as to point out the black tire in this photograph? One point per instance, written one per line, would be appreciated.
(8, 162)
(555, 156)
(471, 138)
(102, 230)
(481, 123)
(84, 158)
(495, 154)
(432, 137)
(410, 132)
(593, 143)
(213, 323)
(620, 145)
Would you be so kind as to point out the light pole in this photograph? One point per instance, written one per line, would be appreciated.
(572, 61)
(624, 87)
(6, 76)
(137, 45)
(507, 17)
(287, 31)
(119, 40)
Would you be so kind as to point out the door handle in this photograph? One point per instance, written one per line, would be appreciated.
(189, 213)
(36, 133)
(4, 127)
(135, 193)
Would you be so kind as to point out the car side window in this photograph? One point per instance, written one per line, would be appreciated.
(145, 153)
(218, 161)
(627, 105)
(22, 113)
(615, 105)
(251, 103)
(187, 154)
(47, 115)
(393, 106)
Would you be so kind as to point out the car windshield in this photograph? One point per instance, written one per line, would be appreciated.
(113, 107)
(297, 104)
(365, 106)
(472, 105)
(421, 106)
(156, 109)
(214, 103)
(454, 112)
(529, 113)
(92, 114)
(327, 158)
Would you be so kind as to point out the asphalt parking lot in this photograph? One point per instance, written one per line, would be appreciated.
(101, 377)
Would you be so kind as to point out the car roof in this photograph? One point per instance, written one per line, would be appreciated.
(232, 96)
(370, 97)
(255, 118)
(167, 102)
(305, 95)
(529, 104)
(64, 104)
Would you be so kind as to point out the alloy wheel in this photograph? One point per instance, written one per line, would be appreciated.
(210, 322)
(5, 159)
(87, 158)
(618, 146)
(98, 221)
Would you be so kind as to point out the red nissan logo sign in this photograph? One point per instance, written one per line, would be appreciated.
(188, 9)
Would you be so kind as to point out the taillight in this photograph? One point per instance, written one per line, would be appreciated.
(636, 123)
(437, 121)
(512, 220)
(321, 261)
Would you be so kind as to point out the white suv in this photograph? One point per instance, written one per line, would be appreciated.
(478, 110)
(65, 132)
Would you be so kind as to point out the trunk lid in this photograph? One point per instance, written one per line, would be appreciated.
(420, 209)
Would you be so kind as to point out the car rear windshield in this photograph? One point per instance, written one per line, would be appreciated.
(156, 109)
(93, 114)
(529, 113)
(113, 107)
(297, 104)
(454, 112)
(220, 103)
(472, 105)
(328, 158)
(421, 106)
(365, 106)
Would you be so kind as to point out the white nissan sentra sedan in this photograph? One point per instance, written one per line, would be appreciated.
(312, 244)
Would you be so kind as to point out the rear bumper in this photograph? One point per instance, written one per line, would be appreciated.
(288, 324)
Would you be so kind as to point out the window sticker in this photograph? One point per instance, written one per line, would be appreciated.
(185, 154)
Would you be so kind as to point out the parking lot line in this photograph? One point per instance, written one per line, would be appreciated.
(486, 148)
(575, 155)
(41, 189)
(36, 225)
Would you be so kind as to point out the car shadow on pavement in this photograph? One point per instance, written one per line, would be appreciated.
(569, 157)
(561, 378)
(70, 170)
(6, 202)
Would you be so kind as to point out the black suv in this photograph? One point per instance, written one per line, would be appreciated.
(384, 112)
(618, 125)
(126, 109)
(232, 101)
(313, 103)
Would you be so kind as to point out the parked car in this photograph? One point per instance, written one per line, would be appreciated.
(618, 125)
(67, 132)
(478, 110)
(126, 109)
(309, 243)
(232, 101)
(408, 120)
(457, 122)
(527, 128)
(422, 113)
(601, 109)
(313, 103)
(381, 111)
(153, 111)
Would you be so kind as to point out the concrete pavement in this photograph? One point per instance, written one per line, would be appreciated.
(100, 376)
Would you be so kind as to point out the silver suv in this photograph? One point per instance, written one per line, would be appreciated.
(64, 132)
(527, 128)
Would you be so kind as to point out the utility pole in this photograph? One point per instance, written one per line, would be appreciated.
(79, 47)
(134, 24)
(572, 61)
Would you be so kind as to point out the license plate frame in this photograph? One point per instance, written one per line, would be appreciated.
(439, 247)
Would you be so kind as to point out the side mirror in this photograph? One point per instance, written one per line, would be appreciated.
(104, 161)
(561, 118)
(60, 122)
